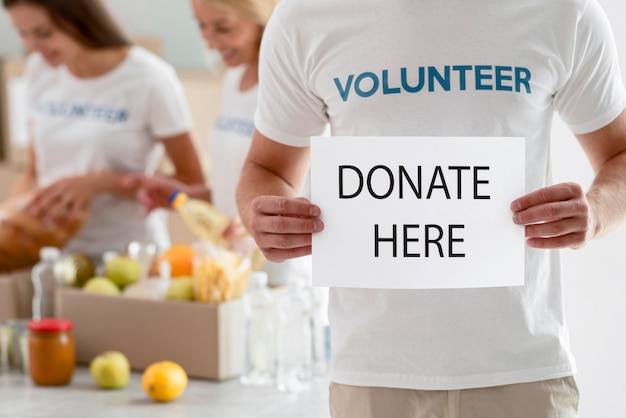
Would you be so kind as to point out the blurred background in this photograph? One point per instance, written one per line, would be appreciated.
(171, 22)
(595, 275)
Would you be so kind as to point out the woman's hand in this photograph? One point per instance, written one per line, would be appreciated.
(62, 201)
(153, 192)
(235, 230)
(237, 237)
(557, 216)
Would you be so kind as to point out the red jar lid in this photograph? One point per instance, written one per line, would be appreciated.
(50, 325)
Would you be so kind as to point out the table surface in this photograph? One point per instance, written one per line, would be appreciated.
(20, 398)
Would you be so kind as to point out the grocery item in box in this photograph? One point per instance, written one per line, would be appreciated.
(202, 218)
(219, 274)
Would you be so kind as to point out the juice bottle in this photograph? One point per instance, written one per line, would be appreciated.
(202, 219)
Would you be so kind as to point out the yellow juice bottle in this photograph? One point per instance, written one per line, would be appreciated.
(202, 218)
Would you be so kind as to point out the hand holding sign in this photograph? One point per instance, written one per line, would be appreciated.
(282, 226)
(558, 216)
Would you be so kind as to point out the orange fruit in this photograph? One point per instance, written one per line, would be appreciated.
(180, 257)
(164, 381)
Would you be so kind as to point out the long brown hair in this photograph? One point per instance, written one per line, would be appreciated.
(87, 21)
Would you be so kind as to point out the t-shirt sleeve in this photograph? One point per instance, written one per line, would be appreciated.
(169, 113)
(288, 111)
(593, 95)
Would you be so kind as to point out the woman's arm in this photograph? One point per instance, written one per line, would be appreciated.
(154, 192)
(179, 149)
(66, 198)
(184, 158)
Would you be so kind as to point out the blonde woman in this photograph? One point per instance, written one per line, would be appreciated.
(234, 29)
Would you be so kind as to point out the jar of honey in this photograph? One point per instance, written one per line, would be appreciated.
(51, 351)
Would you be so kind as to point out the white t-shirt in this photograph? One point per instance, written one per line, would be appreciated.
(443, 68)
(230, 140)
(113, 122)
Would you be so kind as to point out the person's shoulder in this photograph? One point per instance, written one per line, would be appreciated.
(585, 13)
(294, 9)
(148, 62)
(577, 6)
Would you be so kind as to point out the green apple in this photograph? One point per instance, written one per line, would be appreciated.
(110, 370)
(180, 289)
(123, 270)
(101, 285)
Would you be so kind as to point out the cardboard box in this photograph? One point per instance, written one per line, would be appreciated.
(205, 339)
(16, 295)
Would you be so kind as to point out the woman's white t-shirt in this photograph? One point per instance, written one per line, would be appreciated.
(113, 122)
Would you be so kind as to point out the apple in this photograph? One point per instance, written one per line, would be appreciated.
(101, 285)
(180, 289)
(123, 270)
(147, 289)
(110, 370)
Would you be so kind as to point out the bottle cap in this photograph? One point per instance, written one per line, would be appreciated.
(50, 325)
(49, 253)
(177, 198)
(258, 278)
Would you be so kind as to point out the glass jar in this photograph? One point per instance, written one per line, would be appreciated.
(51, 351)
(13, 352)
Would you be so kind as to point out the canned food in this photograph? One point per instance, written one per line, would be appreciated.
(74, 270)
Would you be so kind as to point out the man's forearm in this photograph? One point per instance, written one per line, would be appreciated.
(607, 195)
(257, 181)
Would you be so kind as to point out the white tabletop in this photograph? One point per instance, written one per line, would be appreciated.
(20, 398)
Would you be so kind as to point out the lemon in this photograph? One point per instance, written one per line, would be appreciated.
(164, 381)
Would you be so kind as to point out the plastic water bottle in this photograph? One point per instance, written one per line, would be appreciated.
(319, 331)
(44, 283)
(294, 339)
(260, 333)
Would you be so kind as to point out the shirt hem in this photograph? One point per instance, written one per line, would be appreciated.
(281, 137)
(450, 383)
(601, 121)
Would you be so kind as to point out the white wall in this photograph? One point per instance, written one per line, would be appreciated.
(9, 41)
(595, 276)
(172, 21)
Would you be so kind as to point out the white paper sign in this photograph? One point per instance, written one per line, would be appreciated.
(417, 212)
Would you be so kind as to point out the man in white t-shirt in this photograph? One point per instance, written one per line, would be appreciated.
(451, 68)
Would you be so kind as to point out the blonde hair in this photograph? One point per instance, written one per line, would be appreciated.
(259, 11)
